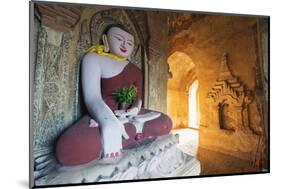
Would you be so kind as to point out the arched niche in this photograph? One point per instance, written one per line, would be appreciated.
(227, 119)
(230, 99)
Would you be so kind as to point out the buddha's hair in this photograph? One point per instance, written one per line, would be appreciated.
(122, 27)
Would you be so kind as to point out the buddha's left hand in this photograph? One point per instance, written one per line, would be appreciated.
(130, 112)
(133, 111)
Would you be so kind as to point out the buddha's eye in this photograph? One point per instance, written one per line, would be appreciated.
(119, 39)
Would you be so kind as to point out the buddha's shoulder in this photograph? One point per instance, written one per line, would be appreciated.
(94, 58)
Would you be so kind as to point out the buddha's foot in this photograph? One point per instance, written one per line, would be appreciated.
(111, 158)
(113, 155)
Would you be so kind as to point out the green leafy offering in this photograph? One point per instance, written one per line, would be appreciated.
(125, 95)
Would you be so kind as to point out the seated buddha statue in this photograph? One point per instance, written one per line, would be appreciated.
(106, 130)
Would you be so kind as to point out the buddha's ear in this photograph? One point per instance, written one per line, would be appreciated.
(105, 43)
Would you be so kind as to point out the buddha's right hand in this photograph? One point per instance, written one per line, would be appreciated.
(121, 129)
(112, 141)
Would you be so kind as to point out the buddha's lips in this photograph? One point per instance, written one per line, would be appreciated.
(123, 50)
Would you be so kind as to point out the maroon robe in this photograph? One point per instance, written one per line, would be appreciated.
(81, 143)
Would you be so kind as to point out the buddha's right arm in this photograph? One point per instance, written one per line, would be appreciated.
(97, 108)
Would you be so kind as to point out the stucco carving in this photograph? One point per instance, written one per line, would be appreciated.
(50, 93)
(230, 98)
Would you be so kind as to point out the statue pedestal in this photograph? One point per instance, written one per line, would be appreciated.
(158, 159)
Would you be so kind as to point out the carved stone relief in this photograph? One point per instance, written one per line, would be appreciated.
(50, 94)
(230, 99)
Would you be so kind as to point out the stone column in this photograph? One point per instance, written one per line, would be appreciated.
(158, 66)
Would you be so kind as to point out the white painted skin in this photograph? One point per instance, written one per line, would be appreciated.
(95, 67)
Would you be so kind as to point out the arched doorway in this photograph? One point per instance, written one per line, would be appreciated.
(193, 109)
(182, 101)
(183, 74)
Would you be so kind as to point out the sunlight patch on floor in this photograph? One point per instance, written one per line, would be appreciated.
(188, 140)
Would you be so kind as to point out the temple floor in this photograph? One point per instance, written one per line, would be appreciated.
(188, 140)
(216, 163)
(212, 162)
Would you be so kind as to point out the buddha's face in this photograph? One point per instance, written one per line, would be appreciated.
(120, 42)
